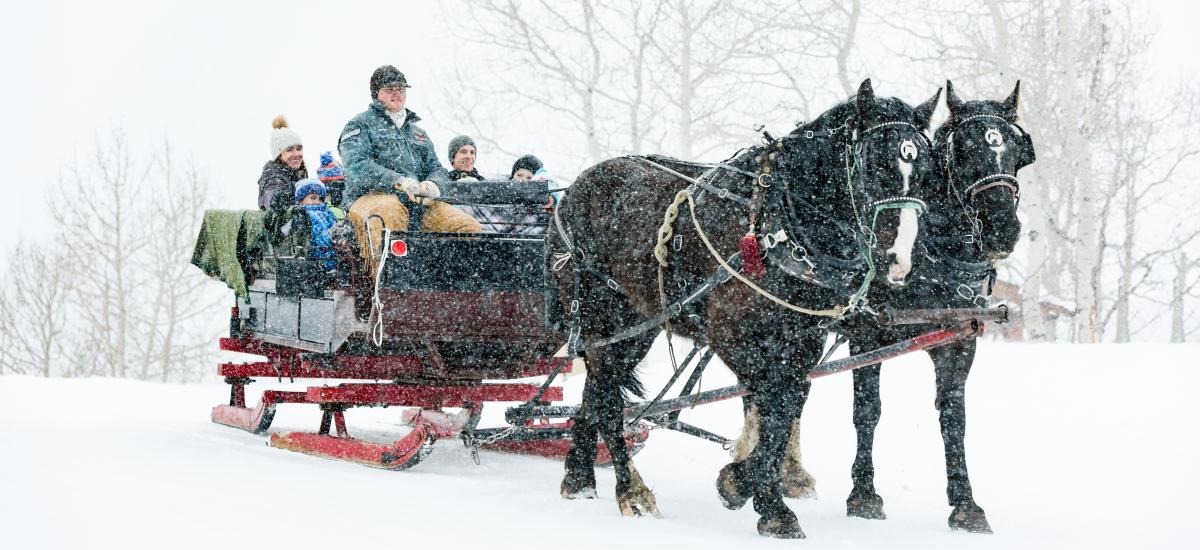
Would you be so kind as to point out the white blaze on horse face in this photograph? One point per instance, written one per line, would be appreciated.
(906, 171)
(906, 238)
(995, 140)
(908, 153)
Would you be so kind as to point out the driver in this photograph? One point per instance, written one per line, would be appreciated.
(391, 166)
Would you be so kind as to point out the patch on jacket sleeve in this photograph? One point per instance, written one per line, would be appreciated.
(350, 134)
(421, 135)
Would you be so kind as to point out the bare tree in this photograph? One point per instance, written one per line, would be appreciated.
(585, 62)
(1145, 170)
(96, 210)
(126, 301)
(174, 342)
(704, 49)
(551, 54)
(33, 312)
(1080, 64)
(1183, 286)
(679, 77)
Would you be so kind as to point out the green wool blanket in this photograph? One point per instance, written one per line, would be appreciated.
(221, 248)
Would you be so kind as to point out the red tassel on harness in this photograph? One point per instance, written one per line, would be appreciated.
(752, 263)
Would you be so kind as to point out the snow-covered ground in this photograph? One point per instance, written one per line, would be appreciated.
(1069, 446)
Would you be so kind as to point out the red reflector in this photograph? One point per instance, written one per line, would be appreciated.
(399, 248)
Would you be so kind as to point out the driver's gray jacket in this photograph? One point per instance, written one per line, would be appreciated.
(377, 153)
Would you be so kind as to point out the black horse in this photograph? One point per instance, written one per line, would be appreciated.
(833, 202)
(971, 222)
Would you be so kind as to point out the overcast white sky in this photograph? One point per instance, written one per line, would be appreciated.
(211, 75)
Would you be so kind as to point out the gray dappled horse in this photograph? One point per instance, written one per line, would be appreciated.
(840, 193)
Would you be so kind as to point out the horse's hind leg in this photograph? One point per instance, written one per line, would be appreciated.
(580, 479)
(797, 482)
(952, 364)
(616, 375)
(863, 501)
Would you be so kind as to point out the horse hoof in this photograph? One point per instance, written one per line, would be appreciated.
(572, 489)
(637, 500)
(727, 490)
(797, 482)
(634, 507)
(783, 526)
(865, 505)
(799, 490)
(969, 518)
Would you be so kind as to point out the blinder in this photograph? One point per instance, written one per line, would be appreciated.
(1025, 152)
(873, 209)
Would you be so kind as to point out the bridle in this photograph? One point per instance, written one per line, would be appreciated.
(966, 196)
(998, 179)
(856, 153)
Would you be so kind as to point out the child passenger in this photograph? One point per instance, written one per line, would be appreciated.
(530, 168)
(310, 195)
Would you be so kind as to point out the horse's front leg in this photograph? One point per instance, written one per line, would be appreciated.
(952, 364)
(780, 387)
(863, 501)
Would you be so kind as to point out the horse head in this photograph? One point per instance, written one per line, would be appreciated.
(859, 171)
(981, 148)
(893, 160)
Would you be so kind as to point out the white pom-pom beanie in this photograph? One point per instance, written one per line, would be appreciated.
(282, 137)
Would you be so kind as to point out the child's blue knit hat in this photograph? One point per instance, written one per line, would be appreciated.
(307, 186)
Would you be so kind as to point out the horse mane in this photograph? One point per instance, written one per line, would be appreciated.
(829, 119)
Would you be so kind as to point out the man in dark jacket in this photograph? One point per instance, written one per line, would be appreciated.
(462, 160)
(286, 167)
(388, 156)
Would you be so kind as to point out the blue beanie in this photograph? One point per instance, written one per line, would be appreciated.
(330, 171)
(308, 186)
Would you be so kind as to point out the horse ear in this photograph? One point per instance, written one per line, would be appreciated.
(952, 100)
(925, 110)
(866, 98)
(1013, 99)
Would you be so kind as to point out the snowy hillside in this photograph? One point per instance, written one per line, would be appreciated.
(1069, 447)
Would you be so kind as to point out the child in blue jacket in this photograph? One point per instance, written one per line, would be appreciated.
(310, 195)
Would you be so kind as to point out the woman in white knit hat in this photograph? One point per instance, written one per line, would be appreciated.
(286, 167)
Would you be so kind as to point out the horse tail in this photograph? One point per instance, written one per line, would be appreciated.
(630, 383)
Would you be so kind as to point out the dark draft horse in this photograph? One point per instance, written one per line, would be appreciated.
(971, 222)
(838, 196)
